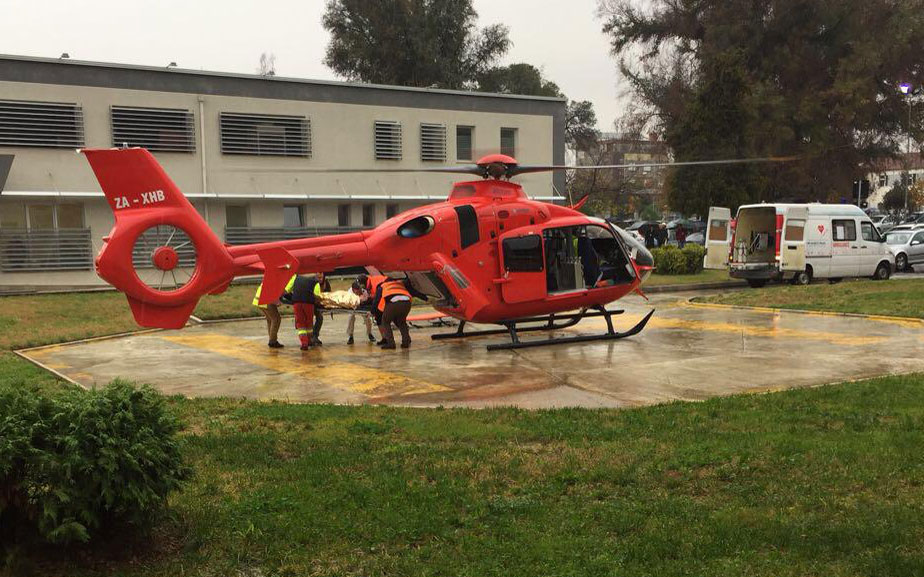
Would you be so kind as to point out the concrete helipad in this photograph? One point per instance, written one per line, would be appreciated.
(686, 352)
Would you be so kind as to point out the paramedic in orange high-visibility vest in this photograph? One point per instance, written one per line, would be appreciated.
(391, 303)
(301, 292)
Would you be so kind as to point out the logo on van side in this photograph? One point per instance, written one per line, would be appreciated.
(821, 228)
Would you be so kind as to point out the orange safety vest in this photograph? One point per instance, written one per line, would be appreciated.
(389, 288)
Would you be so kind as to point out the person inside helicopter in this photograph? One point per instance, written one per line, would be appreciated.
(585, 256)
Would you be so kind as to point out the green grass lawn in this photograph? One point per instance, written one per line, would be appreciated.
(821, 481)
(705, 276)
(34, 320)
(903, 298)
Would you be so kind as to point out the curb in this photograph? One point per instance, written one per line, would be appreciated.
(678, 288)
(87, 340)
(45, 367)
(770, 310)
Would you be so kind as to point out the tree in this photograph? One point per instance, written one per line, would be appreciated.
(894, 200)
(581, 125)
(580, 120)
(519, 78)
(812, 78)
(425, 43)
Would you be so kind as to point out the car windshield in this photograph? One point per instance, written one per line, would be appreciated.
(898, 238)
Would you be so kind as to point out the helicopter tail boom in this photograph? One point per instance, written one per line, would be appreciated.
(160, 252)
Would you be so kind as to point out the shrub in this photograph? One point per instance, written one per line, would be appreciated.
(669, 260)
(693, 253)
(83, 462)
(672, 260)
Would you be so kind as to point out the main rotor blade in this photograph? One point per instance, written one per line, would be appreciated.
(527, 168)
(473, 169)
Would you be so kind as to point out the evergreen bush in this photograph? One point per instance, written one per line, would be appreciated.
(83, 462)
(672, 260)
(694, 254)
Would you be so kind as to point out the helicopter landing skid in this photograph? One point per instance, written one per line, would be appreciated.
(549, 323)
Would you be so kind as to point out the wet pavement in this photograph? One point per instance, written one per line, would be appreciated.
(688, 351)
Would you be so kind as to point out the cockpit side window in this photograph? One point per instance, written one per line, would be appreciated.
(468, 225)
(416, 227)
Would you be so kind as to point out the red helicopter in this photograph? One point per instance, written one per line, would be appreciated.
(488, 254)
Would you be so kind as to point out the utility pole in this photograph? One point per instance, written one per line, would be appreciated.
(908, 184)
(908, 91)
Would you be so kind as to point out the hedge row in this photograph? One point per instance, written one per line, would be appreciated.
(672, 260)
(84, 462)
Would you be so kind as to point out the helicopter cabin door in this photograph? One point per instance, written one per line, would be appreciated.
(522, 267)
(718, 238)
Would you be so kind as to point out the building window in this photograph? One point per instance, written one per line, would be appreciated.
(292, 216)
(508, 141)
(41, 216)
(387, 140)
(12, 216)
(69, 216)
(368, 215)
(391, 210)
(236, 216)
(883, 180)
(265, 135)
(464, 139)
(343, 215)
(432, 142)
(44, 237)
(41, 124)
(157, 129)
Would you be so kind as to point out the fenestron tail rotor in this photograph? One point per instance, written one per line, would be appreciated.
(164, 258)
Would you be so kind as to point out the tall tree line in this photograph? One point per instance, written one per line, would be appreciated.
(437, 44)
(750, 78)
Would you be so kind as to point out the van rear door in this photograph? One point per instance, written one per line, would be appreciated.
(718, 233)
(792, 251)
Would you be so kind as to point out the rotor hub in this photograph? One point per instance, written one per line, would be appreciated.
(165, 258)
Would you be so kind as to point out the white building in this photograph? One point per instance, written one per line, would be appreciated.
(221, 136)
(887, 172)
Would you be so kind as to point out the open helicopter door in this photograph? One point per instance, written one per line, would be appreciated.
(792, 247)
(522, 261)
(718, 238)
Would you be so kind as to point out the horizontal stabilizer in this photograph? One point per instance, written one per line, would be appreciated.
(161, 317)
(279, 266)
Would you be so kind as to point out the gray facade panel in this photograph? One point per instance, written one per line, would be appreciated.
(145, 78)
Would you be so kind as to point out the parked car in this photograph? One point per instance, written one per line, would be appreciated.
(884, 222)
(797, 242)
(907, 246)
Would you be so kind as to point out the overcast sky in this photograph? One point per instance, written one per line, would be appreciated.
(561, 37)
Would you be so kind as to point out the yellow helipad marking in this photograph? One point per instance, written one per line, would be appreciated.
(774, 332)
(356, 378)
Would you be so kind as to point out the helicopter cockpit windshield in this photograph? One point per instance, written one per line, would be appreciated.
(584, 257)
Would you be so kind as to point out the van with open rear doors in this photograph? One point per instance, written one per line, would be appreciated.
(796, 242)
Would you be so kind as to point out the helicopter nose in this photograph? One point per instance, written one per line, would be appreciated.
(644, 261)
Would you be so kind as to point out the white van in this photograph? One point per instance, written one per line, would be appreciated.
(796, 242)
